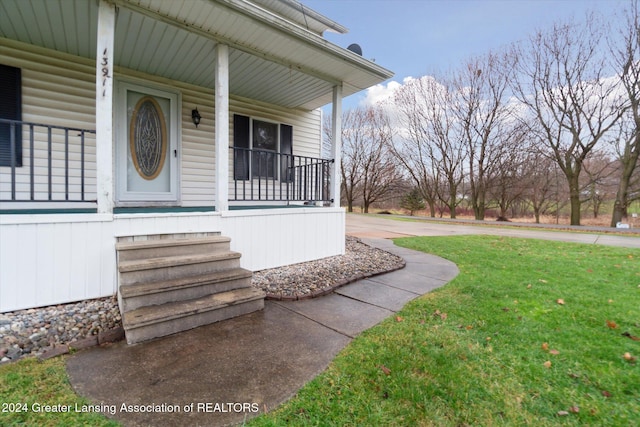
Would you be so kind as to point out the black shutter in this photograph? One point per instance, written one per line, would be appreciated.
(241, 140)
(10, 108)
(286, 153)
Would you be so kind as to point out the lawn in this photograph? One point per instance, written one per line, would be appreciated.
(530, 333)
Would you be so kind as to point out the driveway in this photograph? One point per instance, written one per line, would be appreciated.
(389, 227)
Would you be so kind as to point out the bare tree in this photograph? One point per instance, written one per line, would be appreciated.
(626, 53)
(484, 114)
(431, 148)
(562, 82)
(541, 181)
(378, 166)
(506, 181)
(353, 141)
(369, 171)
(599, 180)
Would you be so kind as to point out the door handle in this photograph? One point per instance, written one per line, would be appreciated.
(175, 153)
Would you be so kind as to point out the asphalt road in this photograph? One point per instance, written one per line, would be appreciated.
(388, 227)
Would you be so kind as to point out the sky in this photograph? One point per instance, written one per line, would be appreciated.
(414, 38)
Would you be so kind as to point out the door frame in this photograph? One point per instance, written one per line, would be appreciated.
(126, 198)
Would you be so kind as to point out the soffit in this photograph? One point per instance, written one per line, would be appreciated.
(272, 60)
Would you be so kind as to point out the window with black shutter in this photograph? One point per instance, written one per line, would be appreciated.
(10, 108)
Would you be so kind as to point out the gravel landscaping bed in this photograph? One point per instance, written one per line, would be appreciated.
(40, 330)
(315, 278)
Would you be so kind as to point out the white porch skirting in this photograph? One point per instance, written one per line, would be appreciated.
(62, 258)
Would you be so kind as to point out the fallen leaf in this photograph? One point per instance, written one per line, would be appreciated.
(560, 301)
(633, 337)
(562, 413)
(574, 409)
(386, 370)
(506, 309)
(554, 352)
(611, 324)
(589, 270)
(545, 346)
(542, 280)
(610, 301)
(529, 286)
(628, 357)
(547, 364)
(469, 327)
(399, 319)
(605, 393)
(443, 316)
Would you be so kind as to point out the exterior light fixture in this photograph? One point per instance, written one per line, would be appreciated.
(195, 116)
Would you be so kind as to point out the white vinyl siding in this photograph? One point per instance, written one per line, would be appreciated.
(56, 92)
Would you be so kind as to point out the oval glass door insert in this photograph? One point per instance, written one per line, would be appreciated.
(148, 138)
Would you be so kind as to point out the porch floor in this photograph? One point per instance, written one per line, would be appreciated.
(262, 358)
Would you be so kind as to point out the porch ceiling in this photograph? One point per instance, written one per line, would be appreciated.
(271, 59)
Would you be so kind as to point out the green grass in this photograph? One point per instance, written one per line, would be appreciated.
(469, 353)
(474, 352)
(29, 384)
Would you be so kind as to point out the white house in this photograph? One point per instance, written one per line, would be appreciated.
(136, 120)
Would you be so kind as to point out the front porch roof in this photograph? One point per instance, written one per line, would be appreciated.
(271, 58)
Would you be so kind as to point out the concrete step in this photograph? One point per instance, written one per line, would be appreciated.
(184, 288)
(158, 248)
(175, 267)
(160, 320)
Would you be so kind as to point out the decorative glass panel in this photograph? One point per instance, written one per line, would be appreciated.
(148, 138)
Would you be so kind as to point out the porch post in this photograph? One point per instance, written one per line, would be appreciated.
(336, 144)
(222, 127)
(104, 106)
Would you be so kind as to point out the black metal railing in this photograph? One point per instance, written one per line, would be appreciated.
(42, 163)
(263, 175)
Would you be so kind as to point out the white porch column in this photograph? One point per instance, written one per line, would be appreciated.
(222, 127)
(336, 144)
(104, 106)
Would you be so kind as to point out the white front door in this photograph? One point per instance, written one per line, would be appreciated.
(146, 146)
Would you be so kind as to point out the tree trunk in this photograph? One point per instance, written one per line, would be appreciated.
(432, 209)
(574, 199)
(620, 205)
(622, 196)
(479, 211)
(452, 202)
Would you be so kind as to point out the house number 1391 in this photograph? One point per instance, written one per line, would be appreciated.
(105, 71)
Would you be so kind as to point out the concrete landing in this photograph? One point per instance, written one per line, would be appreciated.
(237, 369)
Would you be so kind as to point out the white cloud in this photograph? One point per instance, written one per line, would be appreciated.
(380, 93)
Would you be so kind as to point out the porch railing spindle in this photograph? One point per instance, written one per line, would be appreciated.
(31, 165)
(66, 164)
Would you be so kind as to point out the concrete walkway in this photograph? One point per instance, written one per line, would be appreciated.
(224, 373)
